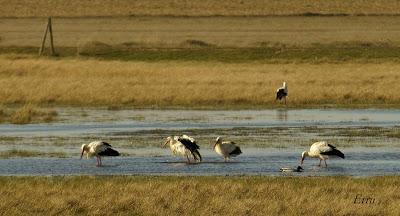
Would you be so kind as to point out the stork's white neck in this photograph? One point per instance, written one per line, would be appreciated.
(217, 144)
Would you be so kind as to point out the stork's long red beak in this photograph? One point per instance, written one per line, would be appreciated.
(214, 145)
(302, 161)
(166, 142)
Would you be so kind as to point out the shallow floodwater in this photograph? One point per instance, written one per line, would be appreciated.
(270, 139)
(79, 121)
(358, 162)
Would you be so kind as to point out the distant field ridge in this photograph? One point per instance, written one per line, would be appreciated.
(95, 8)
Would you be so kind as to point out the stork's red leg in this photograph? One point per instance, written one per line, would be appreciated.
(187, 157)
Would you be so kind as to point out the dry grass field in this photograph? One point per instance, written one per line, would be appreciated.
(170, 32)
(199, 195)
(195, 84)
(80, 8)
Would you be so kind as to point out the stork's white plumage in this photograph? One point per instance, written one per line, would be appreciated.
(98, 149)
(185, 146)
(321, 150)
(226, 149)
(282, 92)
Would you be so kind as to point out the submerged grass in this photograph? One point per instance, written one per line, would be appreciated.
(125, 195)
(26, 153)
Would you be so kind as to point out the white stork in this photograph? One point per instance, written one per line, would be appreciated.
(98, 149)
(282, 92)
(185, 146)
(226, 149)
(321, 150)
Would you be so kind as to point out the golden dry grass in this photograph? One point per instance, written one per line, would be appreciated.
(221, 31)
(198, 195)
(193, 84)
(75, 8)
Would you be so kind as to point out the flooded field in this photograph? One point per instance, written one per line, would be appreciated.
(359, 162)
(270, 139)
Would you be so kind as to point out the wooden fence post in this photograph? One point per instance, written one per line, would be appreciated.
(51, 38)
(49, 29)
(44, 39)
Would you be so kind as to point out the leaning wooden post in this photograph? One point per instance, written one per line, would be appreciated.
(44, 38)
(51, 37)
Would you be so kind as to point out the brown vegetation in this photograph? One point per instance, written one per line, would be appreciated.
(191, 84)
(199, 195)
(27, 114)
(81, 8)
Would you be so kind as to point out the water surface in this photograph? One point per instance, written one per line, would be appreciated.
(358, 162)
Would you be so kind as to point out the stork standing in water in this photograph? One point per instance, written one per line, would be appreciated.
(321, 150)
(98, 149)
(226, 149)
(185, 146)
(282, 92)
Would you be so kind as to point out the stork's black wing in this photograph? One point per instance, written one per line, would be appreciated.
(280, 94)
(192, 146)
(107, 144)
(334, 152)
(333, 147)
(109, 152)
(236, 152)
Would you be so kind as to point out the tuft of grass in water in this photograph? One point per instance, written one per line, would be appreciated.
(224, 195)
(138, 118)
(393, 132)
(114, 108)
(25, 153)
(30, 113)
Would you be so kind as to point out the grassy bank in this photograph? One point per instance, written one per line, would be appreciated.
(263, 53)
(75, 8)
(196, 84)
(199, 195)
